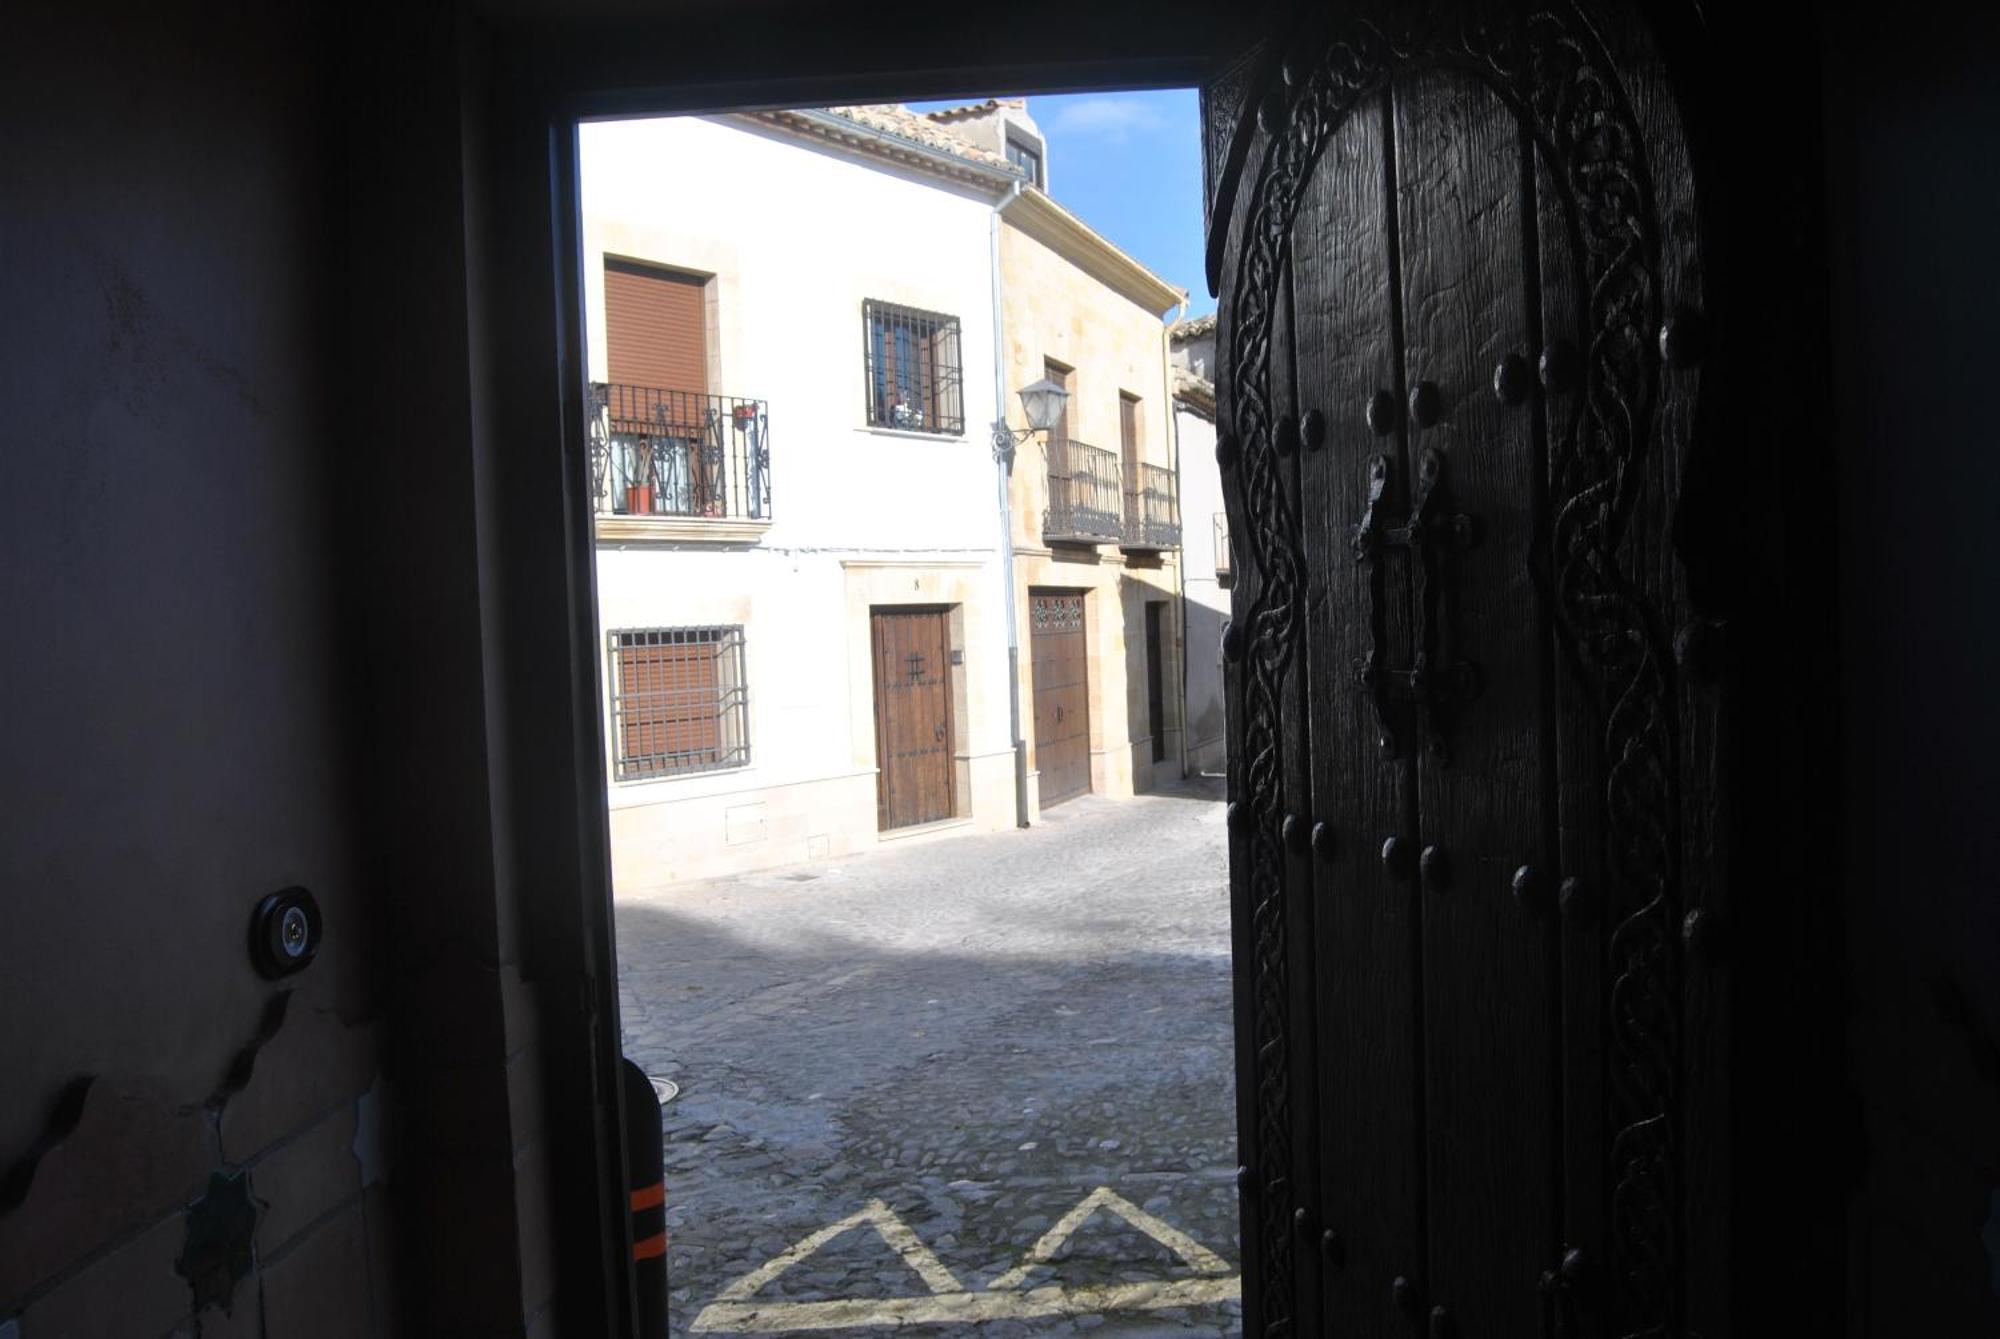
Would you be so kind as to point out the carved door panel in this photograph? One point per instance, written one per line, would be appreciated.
(1485, 809)
(1451, 252)
(1059, 666)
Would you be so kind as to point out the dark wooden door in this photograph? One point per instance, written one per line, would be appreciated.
(1060, 670)
(1453, 250)
(913, 725)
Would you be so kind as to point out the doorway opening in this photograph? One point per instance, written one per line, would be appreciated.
(920, 887)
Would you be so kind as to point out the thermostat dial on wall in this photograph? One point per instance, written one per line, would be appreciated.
(284, 933)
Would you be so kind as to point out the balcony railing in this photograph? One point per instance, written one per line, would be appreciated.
(1153, 510)
(677, 454)
(1085, 495)
(1225, 561)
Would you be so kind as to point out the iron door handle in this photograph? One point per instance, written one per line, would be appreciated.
(1435, 692)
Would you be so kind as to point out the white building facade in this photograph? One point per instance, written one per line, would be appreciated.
(801, 586)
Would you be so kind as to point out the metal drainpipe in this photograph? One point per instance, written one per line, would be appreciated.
(1180, 559)
(1003, 462)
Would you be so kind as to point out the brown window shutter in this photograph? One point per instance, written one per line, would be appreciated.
(887, 340)
(1128, 452)
(655, 327)
(929, 389)
(670, 703)
(1061, 375)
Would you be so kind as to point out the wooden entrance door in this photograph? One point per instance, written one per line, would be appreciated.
(1459, 294)
(913, 725)
(1062, 694)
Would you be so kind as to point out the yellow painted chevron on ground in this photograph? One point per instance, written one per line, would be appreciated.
(735, 1310)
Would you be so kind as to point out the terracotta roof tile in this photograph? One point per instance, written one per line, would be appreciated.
(1190, 384)
(1197, 393)
(1194, 327)
(892, 118)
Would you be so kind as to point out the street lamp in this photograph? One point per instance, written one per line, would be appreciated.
(1043, 403)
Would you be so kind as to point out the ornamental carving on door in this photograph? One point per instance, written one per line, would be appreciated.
(1551, 68)
(1056, 613)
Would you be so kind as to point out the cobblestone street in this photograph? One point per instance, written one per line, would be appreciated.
(904, 1074)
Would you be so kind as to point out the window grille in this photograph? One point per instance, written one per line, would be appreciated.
(914, 376)
(678, 701)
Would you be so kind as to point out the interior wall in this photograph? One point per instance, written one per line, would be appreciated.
(178, 677)
(289, 574)
(1915, 204)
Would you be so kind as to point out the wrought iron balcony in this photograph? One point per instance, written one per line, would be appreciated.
(1085, 495)
(678, 455)
(1153, 510)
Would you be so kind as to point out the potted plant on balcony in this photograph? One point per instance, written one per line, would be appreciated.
(746, 415)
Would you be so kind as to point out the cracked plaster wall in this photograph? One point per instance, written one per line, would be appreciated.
(177, 678)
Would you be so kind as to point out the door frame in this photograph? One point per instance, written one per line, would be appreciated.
(509, 236)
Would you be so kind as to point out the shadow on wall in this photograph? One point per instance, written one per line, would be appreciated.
(1136, 599)
(1207, 723)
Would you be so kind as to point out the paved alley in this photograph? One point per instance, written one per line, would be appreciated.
(976, 1086)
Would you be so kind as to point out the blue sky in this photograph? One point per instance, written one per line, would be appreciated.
(1129, 165)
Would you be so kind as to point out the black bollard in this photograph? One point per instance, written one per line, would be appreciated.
(644, 1142)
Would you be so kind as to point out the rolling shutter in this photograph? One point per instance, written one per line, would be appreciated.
(655, 327)
(670, 698)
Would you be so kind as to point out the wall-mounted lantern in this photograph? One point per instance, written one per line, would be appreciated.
(1043, 403)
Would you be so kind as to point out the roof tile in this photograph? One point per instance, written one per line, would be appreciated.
(892, 118)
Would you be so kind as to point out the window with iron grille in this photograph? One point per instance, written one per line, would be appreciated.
(678, 702)
(914, 377)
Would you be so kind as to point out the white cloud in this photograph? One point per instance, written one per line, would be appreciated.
(1115, 120)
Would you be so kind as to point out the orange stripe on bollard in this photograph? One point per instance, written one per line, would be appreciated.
(651, 1248)
(650, 1196)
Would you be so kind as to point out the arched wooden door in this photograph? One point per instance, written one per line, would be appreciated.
(1460, 329)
